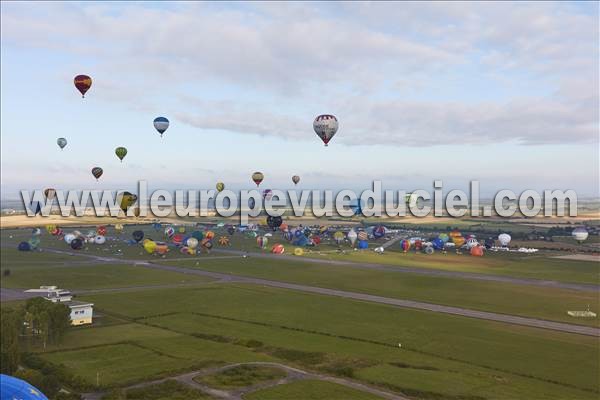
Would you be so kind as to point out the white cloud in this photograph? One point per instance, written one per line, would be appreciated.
(341, 57)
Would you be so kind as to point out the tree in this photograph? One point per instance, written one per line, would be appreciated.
(60, 321)
(47, 320)
(11, 323)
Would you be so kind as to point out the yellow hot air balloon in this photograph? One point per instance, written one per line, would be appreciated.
(150, 246)
(298, 251)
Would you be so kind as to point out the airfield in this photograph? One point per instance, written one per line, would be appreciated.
(335, 323)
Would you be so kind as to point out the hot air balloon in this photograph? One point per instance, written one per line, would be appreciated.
(101, 230)
(61, 142)
(429, 250)
(277, 249)
(477, 251)
(338, 237)
(362, 235)
(77, 244)
(126, 200)
(119, 228)
(161, 248)
(169, 231)
(267, 194)
(295, 179)
(444, 237)
(99, 239)
(161, 124)
(137, 236)
(178, 239)
(262, 241)
(352, 236)
(472, 242)
(83, 83)
(405, 245)
(223, 241)
(121, 152)
(97, 172)
(363, 244)
(24, 246)
(274, 222)
(504, 239)
(209, 235)
(192, 243)
(258, 177)
(13, 388)
(220, 186)
(230, 230)
(437, 243)
(298, 251)
(458, 241)
(149, 246)
(580, 234)
(325, 127)
(379, 231)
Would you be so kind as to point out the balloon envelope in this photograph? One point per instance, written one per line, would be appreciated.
(220, 186)
(97, 172)
(504, 239)
(83, 83)
(161, 124)
(13, 388)
(137, 236)
(62, 142)
(325, 127)
(258, 177)
(295, 179)
(121, 152)
(580, 234)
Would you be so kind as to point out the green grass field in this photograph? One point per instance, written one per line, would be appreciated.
(143, 335)
(241, 376)
(310, 390)
(539, 302)
(351, 338)
(99, 276)
(168, 390)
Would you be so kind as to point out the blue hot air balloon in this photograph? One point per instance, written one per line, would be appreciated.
(438, 244)
(13, 388)
(161, 124)
(363, 244)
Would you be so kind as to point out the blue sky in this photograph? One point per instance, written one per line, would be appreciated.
(506, 93)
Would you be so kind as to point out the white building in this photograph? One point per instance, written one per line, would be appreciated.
(81, 312)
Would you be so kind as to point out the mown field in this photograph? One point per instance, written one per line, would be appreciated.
(144, 335)
(309, 390)
(531, 301)
(166, 330)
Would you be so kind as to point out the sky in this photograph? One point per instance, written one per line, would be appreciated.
(504, 93)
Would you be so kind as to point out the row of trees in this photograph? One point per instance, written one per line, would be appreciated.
(39, 321)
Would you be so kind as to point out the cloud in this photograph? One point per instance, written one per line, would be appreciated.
(359, 60)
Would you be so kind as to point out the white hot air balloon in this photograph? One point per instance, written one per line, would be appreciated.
(192, 243)
(504, 239)
(99, 239)
(352, 236)
(472, 242)
(580, 234)
(69, 237)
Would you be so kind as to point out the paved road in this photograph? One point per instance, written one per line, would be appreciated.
(292, 374)
(464, 312)
(583, 287)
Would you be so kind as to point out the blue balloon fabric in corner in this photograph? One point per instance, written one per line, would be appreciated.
(12, 388)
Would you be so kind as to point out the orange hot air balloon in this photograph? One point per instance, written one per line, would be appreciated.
(83, 83)
(278, 249)
(477, 251)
